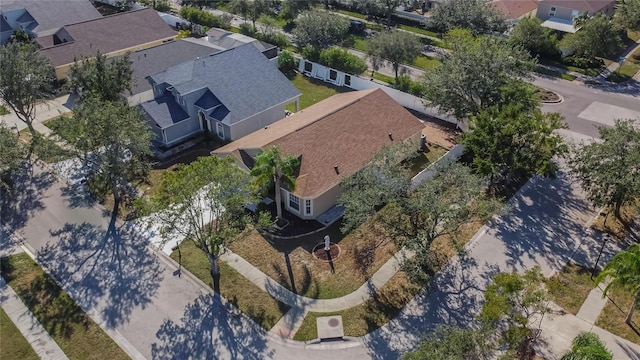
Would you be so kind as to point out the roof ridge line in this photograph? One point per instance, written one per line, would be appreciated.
(338, 109)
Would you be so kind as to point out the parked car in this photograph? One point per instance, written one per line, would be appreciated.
(356, 26)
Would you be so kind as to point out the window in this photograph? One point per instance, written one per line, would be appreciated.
(308, 66)
(333, 75)
(294, 202)
(307, 206)
(553, 11)
(574, 14)
(347, 80)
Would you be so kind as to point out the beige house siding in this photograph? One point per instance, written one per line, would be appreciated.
(319, 204)
(561, 12)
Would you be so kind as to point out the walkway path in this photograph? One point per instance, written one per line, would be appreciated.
(593, 305)
(46, 110)
(28, 325)
(616, 64)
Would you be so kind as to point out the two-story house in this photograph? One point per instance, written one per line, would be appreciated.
(231, 93)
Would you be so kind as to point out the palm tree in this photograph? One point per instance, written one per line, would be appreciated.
(587, 346)
(272, 168)
(623, 272)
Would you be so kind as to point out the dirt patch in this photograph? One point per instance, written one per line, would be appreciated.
(438, 131)
(548, 96)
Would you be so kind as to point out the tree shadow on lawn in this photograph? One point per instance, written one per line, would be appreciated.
(211, 329)
(545, 225)
(25, 198)
(112, 269)
(453, 296)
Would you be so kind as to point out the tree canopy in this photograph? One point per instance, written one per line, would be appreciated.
(26, 77)
(537, 40)
(104, 79)
(453, 343)
(623, 272)
(475, 15)
(381, 7)
(472, 78)
(599, 36)
(320, 29)
(587, 346)
(510, 145)
(608, 170)
(629, 14)
(393, 47)
(204, 203)
(113, 141)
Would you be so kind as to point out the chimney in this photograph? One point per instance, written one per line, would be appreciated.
(335, 167)
(391, 136)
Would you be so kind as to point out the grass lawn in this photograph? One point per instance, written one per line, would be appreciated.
(570, 287)
(76, 334)
(46, 149)
(12, 343)
(313, 91)
(420, 31)
(247, 297)
(553, 73)
(371, 314)
(356, 42)
(588, 72)
(612, 316)
(382, 77)
(362, 253)
(4, 110)
(422, 160)
(633, 35)
(352, 14)
(613, 225)
(426, 62)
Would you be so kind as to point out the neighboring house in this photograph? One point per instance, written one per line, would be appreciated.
(38, 17)
(111, 35)
(159, 58)
(231, 93)
(559, 14)
(334, 139)
(514, 10)
(228, 40)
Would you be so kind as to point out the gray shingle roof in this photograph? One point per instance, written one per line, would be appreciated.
(51, 14)
(161, 57)
(164, 110)
(208, 101)
(245, 81)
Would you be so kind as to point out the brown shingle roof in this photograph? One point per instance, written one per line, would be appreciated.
(584, 5)
(109, 34)
(514, 9)
(345, 130)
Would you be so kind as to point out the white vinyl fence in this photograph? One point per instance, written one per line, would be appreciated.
(426, 174)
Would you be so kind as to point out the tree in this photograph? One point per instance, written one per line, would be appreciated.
(26, 77)
(440, 206)
(599, 36)
(475, 15)
(537, 40)
(629, 14)
(113, 141)
(510, 303)
(12, 153)
(608, 170)
(384, 7)
(272, 168)
(510, 145)
(587, 346)
(104, 79)
(393, 47)
(287, 63)
(453, 343)
(384, 180)
(242, 7)
(204, 203)
(472, 78)
(320, 29)
(623, 272)
(292, 8)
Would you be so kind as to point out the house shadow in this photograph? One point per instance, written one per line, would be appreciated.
(109, 269)
(210, 329)
(25, 197)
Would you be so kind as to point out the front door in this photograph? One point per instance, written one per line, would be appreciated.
(220, 130)
(204, 123)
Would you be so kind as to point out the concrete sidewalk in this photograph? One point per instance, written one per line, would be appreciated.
(28, 325)
(44, 111)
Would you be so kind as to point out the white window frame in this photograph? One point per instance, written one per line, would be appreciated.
(308, 206)
(552, 12)
(293, 199)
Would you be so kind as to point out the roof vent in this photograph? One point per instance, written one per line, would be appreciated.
(391, 136)
(335, 167)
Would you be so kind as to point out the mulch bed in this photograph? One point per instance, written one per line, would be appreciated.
(321, 254)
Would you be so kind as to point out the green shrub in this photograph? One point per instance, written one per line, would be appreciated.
(204, 18)
(247, 29)
(342, 60)
(405, 84)
(287, 63)
(583, 63)
(311, 53)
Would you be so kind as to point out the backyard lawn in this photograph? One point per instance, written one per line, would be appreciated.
(422, 160)
(570, 287)
(76, 333)
(12, 343)
(313, 91)
(250, 299)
